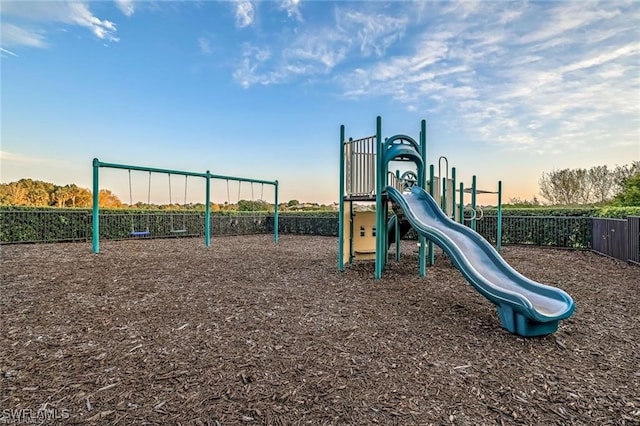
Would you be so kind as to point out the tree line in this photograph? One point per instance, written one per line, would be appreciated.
(597, 185)
(37, 193)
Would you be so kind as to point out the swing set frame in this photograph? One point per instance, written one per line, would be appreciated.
(208, 176)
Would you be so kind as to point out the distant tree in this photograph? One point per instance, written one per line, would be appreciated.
(598, 184)
(293, 203)
(38, 192)
(602, 183)
(60, 195)
(562, 187)
(248, 206)
(82, 198)
(630, 194)
(13, 194)
(622, 173)
(518, 202)
(108, 199)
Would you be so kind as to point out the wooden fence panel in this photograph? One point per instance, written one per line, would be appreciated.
(609, 237)
(634, 239)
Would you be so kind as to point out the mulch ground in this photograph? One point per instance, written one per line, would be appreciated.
(245, 332)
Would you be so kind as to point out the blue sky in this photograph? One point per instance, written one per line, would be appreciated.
(259, 89)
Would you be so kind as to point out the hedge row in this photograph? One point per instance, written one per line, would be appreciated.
(557, 227)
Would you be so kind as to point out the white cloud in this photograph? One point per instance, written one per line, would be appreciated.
(126, 6)
(15, 158)
(249, 72)
(317, 50)
(12, 35)
(205, 46)
(7, 52)
(244, 14)
(566, 17)
(374, 32)
(536, 82)
(60, 12)
(292, 7)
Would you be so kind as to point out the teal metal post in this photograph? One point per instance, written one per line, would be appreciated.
(396, 223)
(461, 204)
(473, 202)
(453, 197)
(276, 223)
(96, 207)
(432, 178)
(341, 205)
(207, 211)
(422, 182)
(379, 209)
(499, 224)
(443, 199)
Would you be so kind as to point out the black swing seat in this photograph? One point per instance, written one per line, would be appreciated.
(140, 233)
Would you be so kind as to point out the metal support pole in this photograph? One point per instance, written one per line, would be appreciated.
(207, 211)
(422, 183)
(461, 204)
(341, 205)
(499, 220)
(473, 202)
(431, 252)
(396, 222)
(379, 210)
(453, 193)
(443, 198)
(96, 207)
(275, 215)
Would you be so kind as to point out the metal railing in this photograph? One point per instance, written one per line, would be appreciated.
(618, 238)
(360, 166)
(542, 231)
(47, 226)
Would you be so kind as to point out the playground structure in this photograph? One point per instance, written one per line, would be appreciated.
(176, 226)
(525, 307)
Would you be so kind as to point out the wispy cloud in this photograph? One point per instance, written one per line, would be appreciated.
(13, 35)
(204, 44)
(317, 50)
(7, 52)
(374, 33)
(126, 6)
(245, 13)
(292, 7)
(16, 158)
(16, 14)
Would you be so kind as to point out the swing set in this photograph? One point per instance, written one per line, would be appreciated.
(133, 232)
(177, 221)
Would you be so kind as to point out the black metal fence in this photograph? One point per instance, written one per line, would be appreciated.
(47, 226)
(543, 231)
(617, 238)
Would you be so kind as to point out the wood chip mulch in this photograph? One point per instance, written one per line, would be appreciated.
(245, 332)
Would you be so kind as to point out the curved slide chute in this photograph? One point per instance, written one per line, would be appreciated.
(525, 307)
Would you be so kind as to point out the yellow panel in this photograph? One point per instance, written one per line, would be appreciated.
(347, 224)
(364, 239)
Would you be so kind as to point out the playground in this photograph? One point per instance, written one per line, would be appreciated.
(246, 331)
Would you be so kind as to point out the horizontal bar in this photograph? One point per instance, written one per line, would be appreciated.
(242, 179)
(99, 163)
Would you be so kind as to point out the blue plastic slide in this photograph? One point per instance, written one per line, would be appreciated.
(525, 307)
